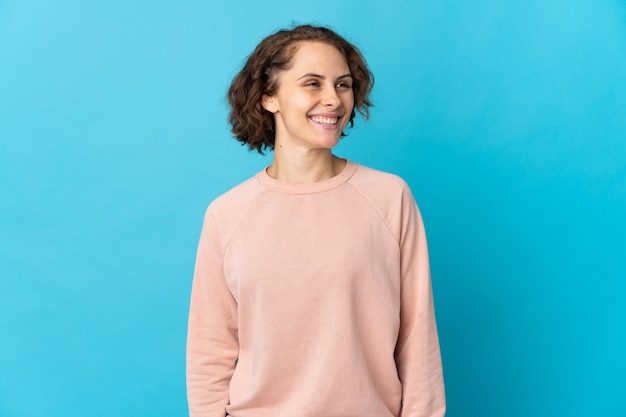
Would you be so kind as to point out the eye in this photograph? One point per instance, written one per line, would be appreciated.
(312, 83)
(344, 85)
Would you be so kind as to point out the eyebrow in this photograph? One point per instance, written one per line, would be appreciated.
(311, 74)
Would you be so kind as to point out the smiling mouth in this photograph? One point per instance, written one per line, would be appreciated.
(326, 121)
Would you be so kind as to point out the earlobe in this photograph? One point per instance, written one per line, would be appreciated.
(269, 103)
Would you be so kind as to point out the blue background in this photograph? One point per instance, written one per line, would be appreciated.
(506, 118)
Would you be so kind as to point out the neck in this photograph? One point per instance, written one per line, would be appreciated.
(304, 169)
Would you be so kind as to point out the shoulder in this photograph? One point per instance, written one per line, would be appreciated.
(379, 185)
(229, 208)
(388, 194)
(391, 197)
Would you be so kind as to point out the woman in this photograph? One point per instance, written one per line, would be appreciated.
(311, 293)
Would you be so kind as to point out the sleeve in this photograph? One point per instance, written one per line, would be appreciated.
(418, 357)
(212, 342)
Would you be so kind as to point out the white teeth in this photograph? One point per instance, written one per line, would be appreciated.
(328, 121)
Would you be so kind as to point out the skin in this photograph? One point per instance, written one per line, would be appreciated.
(311, 108)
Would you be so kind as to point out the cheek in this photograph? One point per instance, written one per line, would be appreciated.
(297, 101)
(349, 103)
(350, 98)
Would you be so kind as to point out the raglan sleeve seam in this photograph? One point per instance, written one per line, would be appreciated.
(378, 213)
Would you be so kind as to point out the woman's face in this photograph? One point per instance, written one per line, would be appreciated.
(314, 99)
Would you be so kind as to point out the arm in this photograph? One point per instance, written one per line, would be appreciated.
(417, 352)
(212, 344)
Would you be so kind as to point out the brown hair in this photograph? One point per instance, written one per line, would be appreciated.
(251, 123)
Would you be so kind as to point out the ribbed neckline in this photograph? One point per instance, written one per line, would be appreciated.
(307, 188)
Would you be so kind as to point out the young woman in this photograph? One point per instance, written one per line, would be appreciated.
(311, 294)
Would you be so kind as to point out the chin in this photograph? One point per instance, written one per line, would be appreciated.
(329, 140)
(329, 144)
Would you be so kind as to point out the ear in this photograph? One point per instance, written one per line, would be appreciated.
(269, 103)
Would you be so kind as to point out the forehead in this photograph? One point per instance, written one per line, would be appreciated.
(318, 55)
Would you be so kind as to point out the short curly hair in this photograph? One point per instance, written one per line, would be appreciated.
(254, 126)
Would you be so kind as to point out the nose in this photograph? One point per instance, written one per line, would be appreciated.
(330, 97)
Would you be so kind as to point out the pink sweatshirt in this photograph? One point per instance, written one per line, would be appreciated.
(314, 300)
